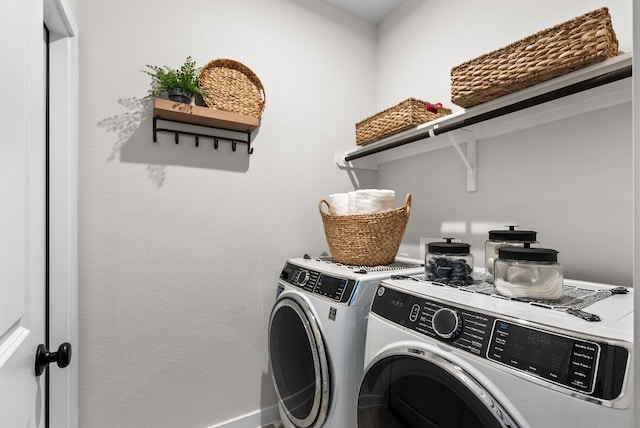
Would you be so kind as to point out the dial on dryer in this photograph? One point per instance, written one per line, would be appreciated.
(302, 277)
(446, 323)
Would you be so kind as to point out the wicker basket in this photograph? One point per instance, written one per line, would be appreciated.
(365, 239)
(228, 85)
(407, 114)
(566, 47)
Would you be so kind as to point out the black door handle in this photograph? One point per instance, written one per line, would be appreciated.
(44, 357)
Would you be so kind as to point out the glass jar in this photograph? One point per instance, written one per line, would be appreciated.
(531, 273)
(501, 238)
(449, 263)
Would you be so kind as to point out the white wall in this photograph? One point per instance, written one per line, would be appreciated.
(181, 247)
(571, 180)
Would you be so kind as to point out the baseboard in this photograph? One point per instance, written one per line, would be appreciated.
(256, 419)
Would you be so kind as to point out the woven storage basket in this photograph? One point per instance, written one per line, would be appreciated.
(228, 85)
(566, 47)
(365, 239)
(407, 114)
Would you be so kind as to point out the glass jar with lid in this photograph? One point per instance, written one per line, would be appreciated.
(531, 273)
(501, 238)
(449, 263)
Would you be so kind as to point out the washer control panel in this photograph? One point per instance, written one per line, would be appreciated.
(554, 357)
(588, 367)
(332, 287)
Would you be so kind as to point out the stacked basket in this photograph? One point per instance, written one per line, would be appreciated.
(561, 49)
(407, 114)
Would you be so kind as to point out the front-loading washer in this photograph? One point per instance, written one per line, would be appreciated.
(440, 356)
(316, 337)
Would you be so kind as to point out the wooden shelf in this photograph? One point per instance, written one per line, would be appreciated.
(204, 116)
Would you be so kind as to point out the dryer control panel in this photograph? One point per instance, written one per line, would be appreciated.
(332, 287)
(594, 368)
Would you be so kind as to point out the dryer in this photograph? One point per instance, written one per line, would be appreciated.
(440, 356)
(316, 337)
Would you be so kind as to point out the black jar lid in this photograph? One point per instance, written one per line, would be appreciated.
(528, 254)
(513, 235)
(449, 247)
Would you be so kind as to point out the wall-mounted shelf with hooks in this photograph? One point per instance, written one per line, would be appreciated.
(599, 86)
(174, 112)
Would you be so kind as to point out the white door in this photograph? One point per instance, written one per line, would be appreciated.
(23, 217)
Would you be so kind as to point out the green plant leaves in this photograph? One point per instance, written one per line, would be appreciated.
(186, 78)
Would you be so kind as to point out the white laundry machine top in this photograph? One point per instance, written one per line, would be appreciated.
(551, 343)
(338, 282)
(609, 307)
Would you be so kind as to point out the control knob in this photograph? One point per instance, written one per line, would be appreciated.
(446, 323)
(302, 277)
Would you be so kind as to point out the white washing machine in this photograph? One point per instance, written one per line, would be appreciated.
(316, 338)
(439, 356)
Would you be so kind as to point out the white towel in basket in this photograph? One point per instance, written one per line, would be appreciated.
(370, 201)
(339, 203)
(363, 201)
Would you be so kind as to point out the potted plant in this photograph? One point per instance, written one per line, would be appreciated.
(180, 84)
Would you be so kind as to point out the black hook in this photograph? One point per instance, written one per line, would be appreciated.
(155, 132)
(197, 136)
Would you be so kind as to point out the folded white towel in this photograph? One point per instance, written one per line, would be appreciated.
(351, 197)
(339, 203)
(364, 201)
(370, 201)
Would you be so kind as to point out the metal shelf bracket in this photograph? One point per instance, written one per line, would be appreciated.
(468, 159)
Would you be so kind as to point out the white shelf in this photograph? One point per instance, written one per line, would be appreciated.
(469, 125)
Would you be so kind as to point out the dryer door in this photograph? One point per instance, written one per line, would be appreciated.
(413, 388)
(299, 364)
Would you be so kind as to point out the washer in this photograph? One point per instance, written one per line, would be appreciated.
(316, 338)
(438, 356)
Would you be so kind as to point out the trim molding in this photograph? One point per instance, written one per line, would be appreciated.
(63, 204)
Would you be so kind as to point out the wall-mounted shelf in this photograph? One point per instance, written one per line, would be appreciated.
(592, 88)
(174, 112)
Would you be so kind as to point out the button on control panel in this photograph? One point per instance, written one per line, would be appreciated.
(415, 312)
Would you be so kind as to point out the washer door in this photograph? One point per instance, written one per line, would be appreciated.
(415, 388)
(299, 364)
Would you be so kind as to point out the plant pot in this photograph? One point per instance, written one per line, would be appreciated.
(179, 95)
